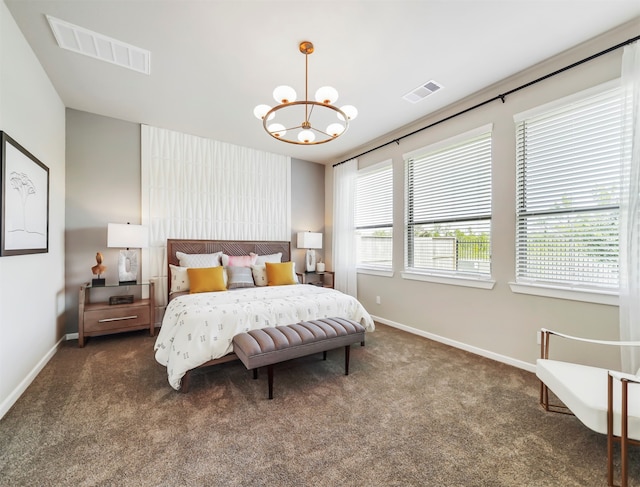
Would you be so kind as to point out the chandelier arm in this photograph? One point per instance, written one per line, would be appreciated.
(306, 87)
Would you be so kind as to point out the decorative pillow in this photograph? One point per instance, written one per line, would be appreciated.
(239, 260)
(269, 258)
(280, 274)
(239, 277)
(206, 279)
(179, 279)
(259, 274)
(199, 260)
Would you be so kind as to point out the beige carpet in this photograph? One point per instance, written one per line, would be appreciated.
(412, 412)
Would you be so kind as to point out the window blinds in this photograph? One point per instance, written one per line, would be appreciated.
(568, 192)
(449, 206)
(374, 216)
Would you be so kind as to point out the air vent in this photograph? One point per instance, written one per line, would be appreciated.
(98, 46)
(422, 91)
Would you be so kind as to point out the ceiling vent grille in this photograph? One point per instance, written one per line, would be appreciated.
(422, 91)
(98, 46)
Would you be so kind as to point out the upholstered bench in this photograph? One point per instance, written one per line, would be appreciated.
(269, 346)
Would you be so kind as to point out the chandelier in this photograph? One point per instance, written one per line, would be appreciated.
(291, 121)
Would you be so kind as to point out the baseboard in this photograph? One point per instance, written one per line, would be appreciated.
(462, 346)
(18, 391)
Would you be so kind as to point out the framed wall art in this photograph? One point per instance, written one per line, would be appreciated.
(24, 191)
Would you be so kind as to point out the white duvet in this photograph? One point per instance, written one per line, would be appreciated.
(200, 327)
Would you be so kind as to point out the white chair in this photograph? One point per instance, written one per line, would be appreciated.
(605, 401)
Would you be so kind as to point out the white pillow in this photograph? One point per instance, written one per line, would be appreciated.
(179, 279)
(259, 272)
(199, 260)
(269, 258)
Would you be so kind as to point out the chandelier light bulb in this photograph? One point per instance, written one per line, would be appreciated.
(335, 129)
(284, 94)
(327, 95)
(261, 110)
(306, 136)
(277, 129)
(350, 111)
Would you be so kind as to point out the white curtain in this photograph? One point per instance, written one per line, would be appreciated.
(630, 210)
(199, 188)
(344, 243)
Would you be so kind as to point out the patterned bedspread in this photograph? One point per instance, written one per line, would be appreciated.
(197, 328)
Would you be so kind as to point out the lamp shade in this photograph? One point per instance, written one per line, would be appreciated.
(125, 235)
(309, 240)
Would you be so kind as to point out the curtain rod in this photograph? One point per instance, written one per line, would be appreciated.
(497, 97)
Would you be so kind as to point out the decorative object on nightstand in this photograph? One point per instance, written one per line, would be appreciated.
(97, 270)
(103, 313)
(310, 241)
(320, 267)
(127, 236)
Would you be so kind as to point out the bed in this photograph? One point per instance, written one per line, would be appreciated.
(198, 328)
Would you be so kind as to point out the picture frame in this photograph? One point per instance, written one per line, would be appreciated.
(24, 195)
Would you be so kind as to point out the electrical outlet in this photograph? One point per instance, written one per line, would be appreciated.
(538, 337)
(377, 299)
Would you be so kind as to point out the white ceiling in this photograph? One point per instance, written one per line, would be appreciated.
(213, 61)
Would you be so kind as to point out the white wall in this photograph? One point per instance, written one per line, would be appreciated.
(497, 323)
(31, 286)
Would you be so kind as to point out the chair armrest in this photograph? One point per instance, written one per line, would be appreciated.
(621, 376)
(546, 334)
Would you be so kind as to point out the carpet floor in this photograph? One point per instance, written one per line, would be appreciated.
(412, 412)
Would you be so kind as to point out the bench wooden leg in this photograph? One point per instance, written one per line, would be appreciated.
(347, 349)
(324, 355)
(270, 374)
(255, 374)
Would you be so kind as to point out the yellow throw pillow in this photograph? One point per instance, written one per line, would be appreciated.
(206, 279)
(279, 274)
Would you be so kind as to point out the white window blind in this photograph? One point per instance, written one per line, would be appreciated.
(448, 211)
(374, 216)
(568, 191)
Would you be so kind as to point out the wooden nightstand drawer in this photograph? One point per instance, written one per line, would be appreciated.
(100, 318)
(115, 318)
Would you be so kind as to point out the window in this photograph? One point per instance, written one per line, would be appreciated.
(374, 217)
(568, 192)
(448, 210)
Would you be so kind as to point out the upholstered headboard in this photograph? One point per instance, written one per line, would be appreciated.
(229, 247)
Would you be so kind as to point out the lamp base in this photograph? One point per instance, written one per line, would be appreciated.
(311, 260)
(128, 267)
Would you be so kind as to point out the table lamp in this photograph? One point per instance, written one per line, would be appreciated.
(310, 241)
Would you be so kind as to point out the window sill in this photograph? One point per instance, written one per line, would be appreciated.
(375, 272)
(480, 283)
(597, 297)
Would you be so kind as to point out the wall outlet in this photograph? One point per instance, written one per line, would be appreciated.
(377, 299)
(538, 337)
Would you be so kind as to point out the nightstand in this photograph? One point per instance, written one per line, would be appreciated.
(317, 278)
(97, 317)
